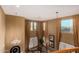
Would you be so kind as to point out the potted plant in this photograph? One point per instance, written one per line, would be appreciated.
(41, 41)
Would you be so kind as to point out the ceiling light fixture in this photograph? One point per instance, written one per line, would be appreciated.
(57, 14)
(17, 9)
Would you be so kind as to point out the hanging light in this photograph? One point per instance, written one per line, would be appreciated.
(57, 15)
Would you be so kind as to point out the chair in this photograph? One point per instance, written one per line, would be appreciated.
(33, 44)
(15, 49)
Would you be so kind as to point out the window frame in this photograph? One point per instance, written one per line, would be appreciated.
(32, 26)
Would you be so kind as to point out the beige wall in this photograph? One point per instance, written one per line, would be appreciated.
(67, 38)
(15, 29)
(52, 27)
(2, 30)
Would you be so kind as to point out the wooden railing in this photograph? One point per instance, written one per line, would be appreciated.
(66, 50)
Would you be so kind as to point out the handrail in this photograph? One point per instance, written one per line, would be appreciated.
(66, 50)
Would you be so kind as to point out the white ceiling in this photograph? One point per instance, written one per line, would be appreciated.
(41, 12)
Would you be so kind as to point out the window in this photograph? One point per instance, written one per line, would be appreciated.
(66, 25)
(44, 25)
(33, 26)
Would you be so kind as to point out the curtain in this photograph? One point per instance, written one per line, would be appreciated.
(39, 29)
(75, 29)
(39, 33)
(46, 35)
(58, 33)
(27, 35)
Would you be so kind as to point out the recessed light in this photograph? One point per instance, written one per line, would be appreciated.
(57, 12)
(17, 6)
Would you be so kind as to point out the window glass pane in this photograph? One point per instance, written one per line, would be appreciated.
(31, 28)
(67, 25)
(44, 25)
(35, 25)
